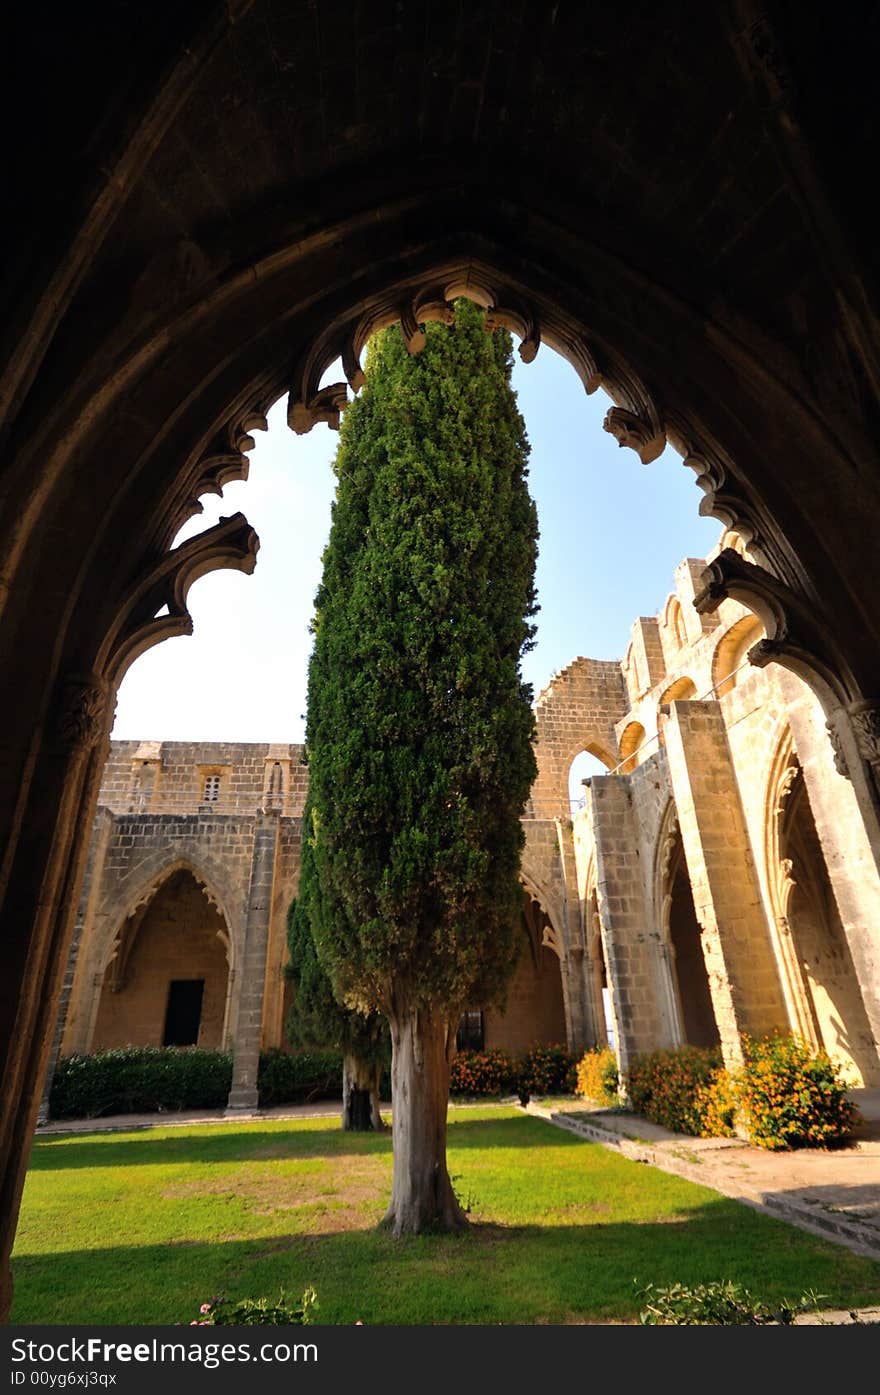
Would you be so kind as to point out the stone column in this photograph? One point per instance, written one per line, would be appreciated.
(244, 1096)
(45, 883)
(101, 831)
(743, 978)
(579, 1029)
(631, 948)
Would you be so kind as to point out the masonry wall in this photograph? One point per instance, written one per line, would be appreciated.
(575, 712)
(534, 1011)
(169, 777)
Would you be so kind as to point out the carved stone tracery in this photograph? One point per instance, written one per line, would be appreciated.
(222, 461)
(155, 608)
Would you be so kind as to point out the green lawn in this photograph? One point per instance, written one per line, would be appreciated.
(142, 1227)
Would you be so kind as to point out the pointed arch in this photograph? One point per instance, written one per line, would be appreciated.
(689, 999)
(731, 651)
(117, 909)
(673, 621)
(165, 973)
(821, 987)
(632, 738)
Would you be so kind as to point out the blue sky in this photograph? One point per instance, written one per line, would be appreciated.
(612, 531)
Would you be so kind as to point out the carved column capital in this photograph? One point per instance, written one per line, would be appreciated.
(865, 718)
(81, 712)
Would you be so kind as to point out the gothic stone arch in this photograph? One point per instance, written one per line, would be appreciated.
(142, 340)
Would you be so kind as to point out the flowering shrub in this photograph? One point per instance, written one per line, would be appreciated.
(482, 1073)
(669, 1087)
(548, 1070)
(597, 1076)
(257, 1312)
(792, 1096)
(786, 1096)
(717, 1105)
(544, 1070)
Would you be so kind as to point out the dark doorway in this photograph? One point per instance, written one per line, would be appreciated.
(184, 1011)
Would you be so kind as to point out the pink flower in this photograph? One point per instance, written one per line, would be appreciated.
(205, 1308)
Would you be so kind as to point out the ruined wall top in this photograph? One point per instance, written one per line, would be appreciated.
(189, 777)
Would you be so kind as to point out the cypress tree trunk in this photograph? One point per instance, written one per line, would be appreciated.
(422, 1198)
(360, 1095)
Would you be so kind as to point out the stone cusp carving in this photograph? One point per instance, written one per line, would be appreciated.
(82, 713)
(638, 424)
(646, 438)
(222, 461)
(724, 497)
(796, 634)
(834, 737)
(231, 543)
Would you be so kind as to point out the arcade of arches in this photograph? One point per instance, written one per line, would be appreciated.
(211, 210)
(715, 880)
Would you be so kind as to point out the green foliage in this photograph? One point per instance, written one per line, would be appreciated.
(719, 1304)
(420, 729)
(547, 1070)
(482, 1073)
(139, 1080)
(597, 1076)
(666, 1086)
(258, 1312)
(791, 1096)
(296, 1077)
(316, 1018)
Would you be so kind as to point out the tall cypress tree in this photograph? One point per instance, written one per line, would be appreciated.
(420, 729)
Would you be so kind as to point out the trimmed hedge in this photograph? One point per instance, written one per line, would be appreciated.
(155, 1079)
(297, 1077)
(139, 1080)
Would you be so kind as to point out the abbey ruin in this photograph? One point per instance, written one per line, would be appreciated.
(716, 880)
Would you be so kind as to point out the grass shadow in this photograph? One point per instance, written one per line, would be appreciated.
(220, 1143)
(490, 1274)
